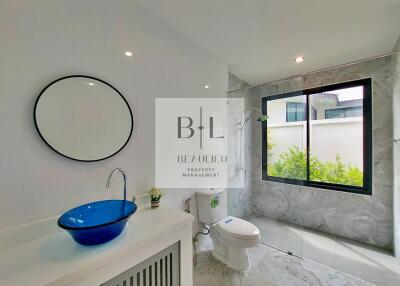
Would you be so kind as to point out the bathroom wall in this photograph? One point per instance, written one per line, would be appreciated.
(43, 40)
(236, 84)
(360, 217)
(239, 185)
(396, 148)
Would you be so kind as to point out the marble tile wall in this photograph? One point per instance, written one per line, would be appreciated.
(396, 149)
(239, 185)
(360, 217)
(236, 84)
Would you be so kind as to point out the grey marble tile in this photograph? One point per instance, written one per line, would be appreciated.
(235, 83)
(369, 263)
(239, 148)
(396, 148)
(270, 267)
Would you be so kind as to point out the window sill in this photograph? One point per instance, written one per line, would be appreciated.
(319, 185)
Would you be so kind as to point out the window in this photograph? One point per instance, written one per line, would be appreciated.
(320, 137)
(296, 111)
(346, 112)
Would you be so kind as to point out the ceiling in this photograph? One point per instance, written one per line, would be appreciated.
(259, 39)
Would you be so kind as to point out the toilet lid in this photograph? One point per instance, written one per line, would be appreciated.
(238, 228)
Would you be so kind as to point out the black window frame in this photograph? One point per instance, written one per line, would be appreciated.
(366, 189)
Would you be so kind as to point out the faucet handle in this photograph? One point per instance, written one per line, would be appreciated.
(134, 199)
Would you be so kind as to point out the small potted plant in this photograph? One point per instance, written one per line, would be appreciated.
(155, 196)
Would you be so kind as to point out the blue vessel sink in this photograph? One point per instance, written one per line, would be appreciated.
(97, 222)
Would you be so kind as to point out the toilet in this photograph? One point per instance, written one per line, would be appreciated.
(231, 236)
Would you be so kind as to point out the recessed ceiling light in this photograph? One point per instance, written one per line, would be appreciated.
(90, 83)
(128, 54)
(299, 59)
(206, 86)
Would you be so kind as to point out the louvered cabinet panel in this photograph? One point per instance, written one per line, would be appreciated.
(161, 269)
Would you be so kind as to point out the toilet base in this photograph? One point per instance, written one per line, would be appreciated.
(234, 257)
(237, 259)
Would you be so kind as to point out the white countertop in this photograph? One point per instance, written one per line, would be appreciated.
(56, 257)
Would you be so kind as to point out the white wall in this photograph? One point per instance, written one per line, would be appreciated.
(285, 136)
(343, 137)
(44, 40)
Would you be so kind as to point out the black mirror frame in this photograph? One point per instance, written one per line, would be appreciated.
(89, 77)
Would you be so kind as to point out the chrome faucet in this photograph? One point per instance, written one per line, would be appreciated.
(112, 175)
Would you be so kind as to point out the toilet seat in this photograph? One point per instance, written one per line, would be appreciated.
(238, 228)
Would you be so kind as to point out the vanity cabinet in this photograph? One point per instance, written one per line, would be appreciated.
(155, 249)
(161, 269)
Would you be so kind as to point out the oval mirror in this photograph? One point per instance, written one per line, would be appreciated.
(83, 118)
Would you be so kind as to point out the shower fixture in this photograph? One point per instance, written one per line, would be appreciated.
(262, 118)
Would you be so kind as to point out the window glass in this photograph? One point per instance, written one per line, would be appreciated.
(286, 143)
(336, 137)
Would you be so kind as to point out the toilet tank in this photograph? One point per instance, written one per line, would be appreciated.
(212, 205)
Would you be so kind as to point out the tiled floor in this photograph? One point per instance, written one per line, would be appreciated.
(270, 267)
(359, 260)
